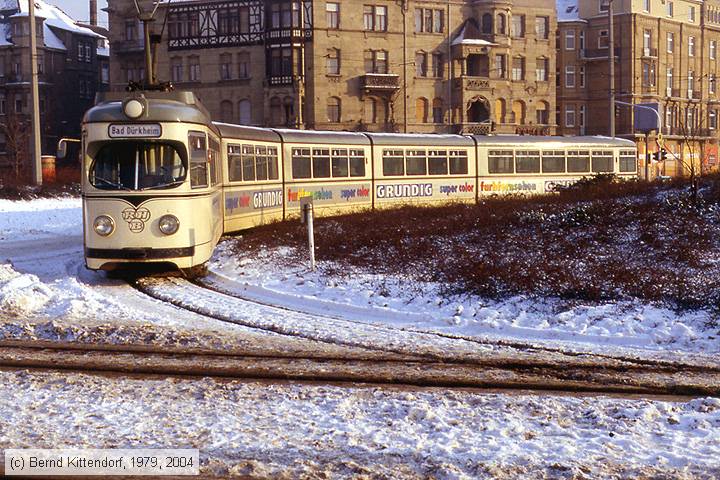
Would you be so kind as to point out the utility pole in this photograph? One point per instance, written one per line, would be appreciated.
(611, 56)
(36, 147)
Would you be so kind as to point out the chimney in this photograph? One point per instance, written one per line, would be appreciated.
(93, 12)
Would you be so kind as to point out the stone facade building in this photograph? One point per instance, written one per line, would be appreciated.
(70, 71)
(666, 54)
(377, 65)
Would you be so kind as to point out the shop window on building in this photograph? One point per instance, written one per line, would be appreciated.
(333, 110)
(332, 14)
(517, 26)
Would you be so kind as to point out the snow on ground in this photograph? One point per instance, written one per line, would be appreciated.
(280, 276)
(306, 431)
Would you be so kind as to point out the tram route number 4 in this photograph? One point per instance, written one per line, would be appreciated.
(306, 216)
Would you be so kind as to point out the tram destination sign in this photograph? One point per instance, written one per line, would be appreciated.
(135, 130)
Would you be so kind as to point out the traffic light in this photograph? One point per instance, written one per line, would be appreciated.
(660, 155)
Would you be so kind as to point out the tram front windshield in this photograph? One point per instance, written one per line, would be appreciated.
(138, 165)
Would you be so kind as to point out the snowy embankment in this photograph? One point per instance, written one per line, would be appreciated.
(299, 431)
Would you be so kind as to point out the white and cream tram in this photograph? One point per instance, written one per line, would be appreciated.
(162, 182)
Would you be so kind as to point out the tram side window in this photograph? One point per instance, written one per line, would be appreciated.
(234, 163)
(416, 162)
(393, 163)
(602, 161)
(301, 163)
(340, 162)
(527, 161)
(212, 160)
(321, 163)
(500, 161)
(261, 163)
(357, 163)
(248, 162)
(458, 162)
(272, 163)
(628, 161)
(578, 161)
(553, 161)
(437, 162)
(198, 160)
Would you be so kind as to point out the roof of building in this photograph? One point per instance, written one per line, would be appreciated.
(567, 11)
(470, 35)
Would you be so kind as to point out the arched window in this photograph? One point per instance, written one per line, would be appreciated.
(370, 115)
(421, 110)
(244, 112)
(500, 110)
(226, 111)
(487, 23)
(518, 111)
(276, 111)
(501, 24)
(437, 111)
(333, 109)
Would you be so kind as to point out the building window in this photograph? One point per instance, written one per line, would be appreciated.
(244, 112)
(421, 69)
(541, 69)
(332, 64)
(225, 66)
(570, 40)
(518, 69)
(542, 113)
(691, 14)
(570, 76)
(194, 69)
(243, 65)
(517, 26)
(647, 41)
(18, 106)
(712, 119)
(333, 109)
(375, 17)
(603, 5)
(176, 72)
(131, 30)
(603, 41)
(691, 83)
(438, 65)
(712, 84)
(501, 27)
(669, 9)
(646, 6)
(691, 46)
(542, 27)
(713, 49)
(669, 81)
(332, 11)
(429, 20)
(670, 42)
(376, 61)
(582, 77)
(500, 66)
(105, 73)
(648, 72)
(582, 116)
(582, 40)
(421, 110)
(437, 110)
(569, 116)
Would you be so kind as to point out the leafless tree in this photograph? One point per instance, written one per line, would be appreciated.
(17, 138)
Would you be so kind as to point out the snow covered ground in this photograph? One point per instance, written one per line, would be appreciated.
(304, 431)
(313, 431)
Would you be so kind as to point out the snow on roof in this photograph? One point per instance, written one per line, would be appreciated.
(52, 40)
(462, 40)
(567, 11)
(54, 17)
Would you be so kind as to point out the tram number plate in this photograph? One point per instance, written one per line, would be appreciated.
(134, 130)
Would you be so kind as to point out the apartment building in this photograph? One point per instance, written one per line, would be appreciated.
(665, 55)
(377, 65)
(70, 60)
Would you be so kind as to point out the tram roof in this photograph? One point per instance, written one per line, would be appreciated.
(244, 132)
(161, 107)
(430, 139)
(321, 137)
(550, 141)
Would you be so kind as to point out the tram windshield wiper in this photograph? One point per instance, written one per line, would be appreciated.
(111, 183)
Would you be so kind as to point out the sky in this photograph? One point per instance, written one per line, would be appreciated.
(80, 9)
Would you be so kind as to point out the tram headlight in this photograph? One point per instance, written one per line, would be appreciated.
(169, 224)
(103, 225)
(134, 108)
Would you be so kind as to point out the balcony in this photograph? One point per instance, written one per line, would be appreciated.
(380, 82)
(473, 84)
(596, 54)
(475, 128)
(128, 46)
